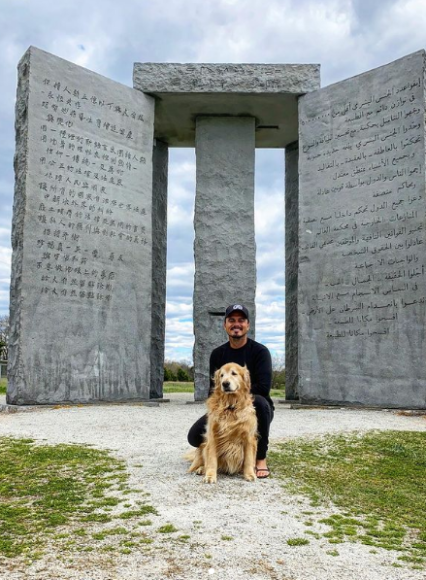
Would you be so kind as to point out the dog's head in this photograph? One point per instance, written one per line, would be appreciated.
(232, 378)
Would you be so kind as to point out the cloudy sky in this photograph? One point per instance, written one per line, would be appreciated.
(346, 37)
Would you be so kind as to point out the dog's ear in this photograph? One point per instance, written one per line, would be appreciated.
(247, 380)
(217, 379)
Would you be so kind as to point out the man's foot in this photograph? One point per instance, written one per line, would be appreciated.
(262, 470)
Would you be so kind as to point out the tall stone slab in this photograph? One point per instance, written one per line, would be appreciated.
(159, 265)
(224, 247)
(362, 284)
(82, 237)
(291, 269)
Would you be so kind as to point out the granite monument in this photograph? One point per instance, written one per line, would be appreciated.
(90, 218)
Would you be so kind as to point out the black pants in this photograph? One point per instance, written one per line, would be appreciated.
(264, 415)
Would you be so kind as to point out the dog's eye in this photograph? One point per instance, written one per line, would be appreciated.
(234, 373)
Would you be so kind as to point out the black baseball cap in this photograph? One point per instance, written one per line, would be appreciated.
(237, 307)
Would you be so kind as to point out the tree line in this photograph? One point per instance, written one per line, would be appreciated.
(176, 371)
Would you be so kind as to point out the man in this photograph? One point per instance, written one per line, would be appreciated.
(244, 351)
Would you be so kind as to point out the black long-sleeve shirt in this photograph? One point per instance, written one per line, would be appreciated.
(255, 356)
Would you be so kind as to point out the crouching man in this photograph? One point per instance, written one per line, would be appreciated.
(246, 352)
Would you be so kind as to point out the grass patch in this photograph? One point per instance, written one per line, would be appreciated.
(167, 529)
(140, 511)
(297, 542)
(377, 480)
(278, 393)
(3, 386)
(48, 492)
(174, 387)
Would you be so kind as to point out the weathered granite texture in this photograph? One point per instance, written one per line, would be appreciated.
(362, 298)
(160, 164)
(82, 258)
(267, 92)
(291, 269)
(225, 268)
(225, 78)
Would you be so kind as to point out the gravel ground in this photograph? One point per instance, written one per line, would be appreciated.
(259, 517)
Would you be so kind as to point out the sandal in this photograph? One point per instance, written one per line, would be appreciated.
(266, 469)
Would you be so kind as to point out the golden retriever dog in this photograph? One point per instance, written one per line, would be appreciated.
(231, 434)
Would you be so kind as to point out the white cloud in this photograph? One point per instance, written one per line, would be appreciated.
(5, 262)
(269, 215)
(4, 302)
(178, 310)
(178, 216)
(180, 278)
(179, 339)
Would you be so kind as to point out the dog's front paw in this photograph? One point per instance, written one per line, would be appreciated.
(210, 477)
(196, 468)
(250, 475)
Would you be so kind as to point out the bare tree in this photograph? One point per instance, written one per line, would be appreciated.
(278, 372)
(4, 336)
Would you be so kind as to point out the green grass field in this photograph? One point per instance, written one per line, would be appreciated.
(3, 385)
(278, 393)
(64, 494)
(376, 480)
(175, 387)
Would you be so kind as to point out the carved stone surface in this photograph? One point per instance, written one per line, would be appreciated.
(291, 269)
(82, 257)
(225, 268)
(159, 265)
(268, 92)
(362, 298)
(89, 226)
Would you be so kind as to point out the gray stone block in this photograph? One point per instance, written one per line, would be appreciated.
(225, 262)
(159, 266)
(291, 269)
(81, 287)
(362, 299)
(154, 77)
(267, 92)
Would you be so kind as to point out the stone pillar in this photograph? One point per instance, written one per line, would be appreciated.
(291, 267)
(81, 287)
(224, 247)
(160, 162)
(362, 264)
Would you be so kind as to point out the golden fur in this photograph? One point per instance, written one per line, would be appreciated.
(231, 433)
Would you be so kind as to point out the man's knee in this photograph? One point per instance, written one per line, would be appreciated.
(263, 408)
(196, 432)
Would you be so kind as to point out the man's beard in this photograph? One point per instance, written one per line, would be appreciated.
(232, 333)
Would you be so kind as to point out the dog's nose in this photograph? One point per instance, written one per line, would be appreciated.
(226, 385)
